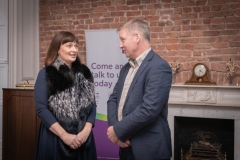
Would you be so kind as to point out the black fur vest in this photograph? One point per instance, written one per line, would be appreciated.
(71, 97)
(60, 79)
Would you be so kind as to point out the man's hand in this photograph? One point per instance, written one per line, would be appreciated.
(122, 144)
(111, 135)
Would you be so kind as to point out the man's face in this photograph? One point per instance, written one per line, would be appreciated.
(128, 43)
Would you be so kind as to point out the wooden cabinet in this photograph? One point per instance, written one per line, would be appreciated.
(20, 124)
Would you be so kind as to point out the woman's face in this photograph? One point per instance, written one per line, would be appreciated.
(68, 52)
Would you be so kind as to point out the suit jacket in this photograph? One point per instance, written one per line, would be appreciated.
(145, 109)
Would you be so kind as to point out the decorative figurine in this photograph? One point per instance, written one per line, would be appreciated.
(174, 70)
(231, 66)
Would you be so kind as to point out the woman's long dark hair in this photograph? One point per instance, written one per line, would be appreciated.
(59, 39)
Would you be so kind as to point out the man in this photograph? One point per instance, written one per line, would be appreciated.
(138, 106)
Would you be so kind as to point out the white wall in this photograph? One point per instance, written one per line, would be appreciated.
(3, 57)
(19, 45)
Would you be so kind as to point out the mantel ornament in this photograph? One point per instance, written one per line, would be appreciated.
(174, 70)
(25, 84)
(231, 66)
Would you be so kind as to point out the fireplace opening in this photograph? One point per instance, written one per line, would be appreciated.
(203, 136)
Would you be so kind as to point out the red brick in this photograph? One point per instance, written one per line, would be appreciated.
(171, 35)
(226, 38)
(197, 33)
(207, 40)
(224, 14)
(211, 33)
(229, 32)
(237, 12)
(170, 58)
(205, 8)
(134, 8)
(197, 53)
(210, 2)
(162, 35)
(234, 44)
(182, 59)
(215, 8)
(233, 26)
(148, 12)
(196, 21)
(221, 77)
(198, 27)
(216, 27)
(165, 6)
(186, 22)
(222, 24)
(171, 28)
(235, 6)
(156, 29)
(166, 11)
(184, 53)
(225, 7)
(83, 16)
(190, 40)
(177, 11)
(220, 45)
(151, 18)
(105, 3)
(177, 22)
(187, 10)
(229, 51)
(188, 47)
(100, 9)
(155, 40)
(173, 47)
(197, 9)
(207, 21)
(186, 28)
(216, 20)
(201, 2)
(172, 40)
(202, 46)
(171, 53)
(207, 14)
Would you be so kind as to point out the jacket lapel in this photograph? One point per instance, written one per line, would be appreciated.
(144, 64)
(121, 82)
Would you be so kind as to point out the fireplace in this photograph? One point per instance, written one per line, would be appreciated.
(222, 106)
(205, 137)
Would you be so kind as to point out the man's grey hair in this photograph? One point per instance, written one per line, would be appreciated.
(137, 25)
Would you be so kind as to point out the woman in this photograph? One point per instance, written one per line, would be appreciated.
(64, 97)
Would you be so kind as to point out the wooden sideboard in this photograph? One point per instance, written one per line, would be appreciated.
(20, 124)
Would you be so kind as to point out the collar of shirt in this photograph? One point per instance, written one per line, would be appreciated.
(134, 63)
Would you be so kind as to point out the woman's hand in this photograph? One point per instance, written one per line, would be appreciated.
(71, 140)
(83, 135)
(68, 139)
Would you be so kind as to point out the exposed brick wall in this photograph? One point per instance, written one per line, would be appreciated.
(182, 31)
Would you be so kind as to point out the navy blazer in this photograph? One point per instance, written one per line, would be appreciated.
(145, 109)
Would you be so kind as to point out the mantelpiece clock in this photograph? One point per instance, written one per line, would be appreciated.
(200, 76)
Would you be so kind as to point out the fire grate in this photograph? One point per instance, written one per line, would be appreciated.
(206, 147)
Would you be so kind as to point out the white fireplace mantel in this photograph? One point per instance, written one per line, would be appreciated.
(205, 95)
(206, 102)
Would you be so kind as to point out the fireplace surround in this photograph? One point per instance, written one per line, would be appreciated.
(200, 101)
(203, 138)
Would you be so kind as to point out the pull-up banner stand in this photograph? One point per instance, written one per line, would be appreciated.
(104, 59)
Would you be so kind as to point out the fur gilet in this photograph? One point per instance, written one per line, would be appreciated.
(71, 97)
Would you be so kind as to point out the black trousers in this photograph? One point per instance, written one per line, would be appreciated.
(127, 154)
